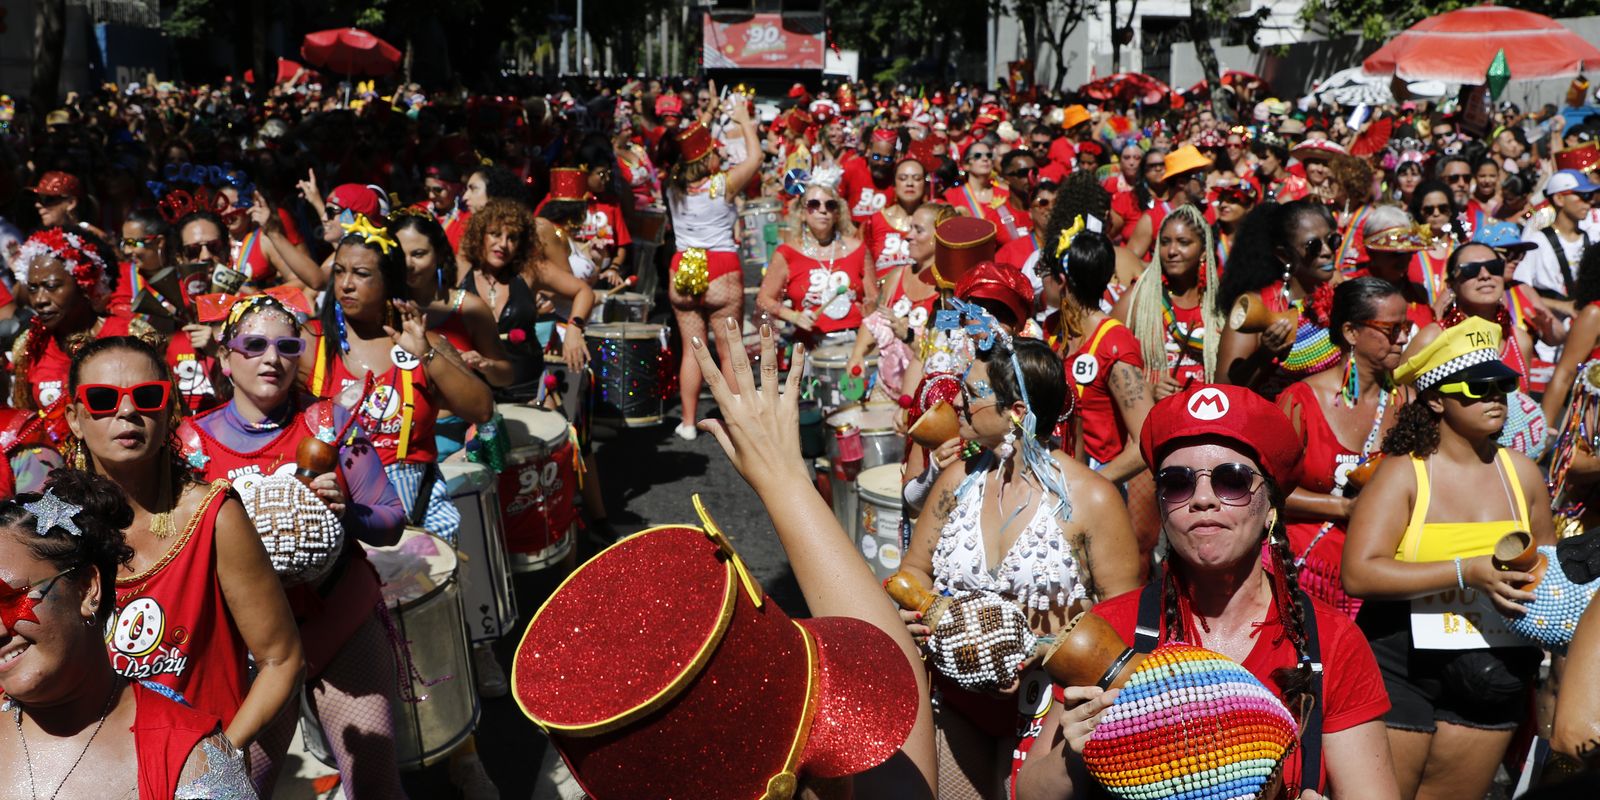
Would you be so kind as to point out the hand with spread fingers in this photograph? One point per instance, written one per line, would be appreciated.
(760, 428)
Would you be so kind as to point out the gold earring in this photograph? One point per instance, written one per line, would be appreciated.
(80, 462)
(1272, 521)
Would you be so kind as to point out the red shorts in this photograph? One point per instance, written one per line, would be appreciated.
(718, 264)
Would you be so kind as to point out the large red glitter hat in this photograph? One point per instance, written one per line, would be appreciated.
(960, 244)
(695, 142)
(1002, 283)
(567, 183)
(661, 669)
(1581, 158)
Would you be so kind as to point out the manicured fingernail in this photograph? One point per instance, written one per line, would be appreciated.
(695, 340)
(766, 331)
(732, 324)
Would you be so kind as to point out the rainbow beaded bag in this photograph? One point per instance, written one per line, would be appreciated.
(1191, 723)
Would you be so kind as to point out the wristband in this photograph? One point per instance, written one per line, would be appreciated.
(1461, 582)
(577, 322)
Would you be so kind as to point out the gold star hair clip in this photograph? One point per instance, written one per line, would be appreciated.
(369, 232)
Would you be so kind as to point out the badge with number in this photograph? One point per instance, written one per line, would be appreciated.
(403, 359)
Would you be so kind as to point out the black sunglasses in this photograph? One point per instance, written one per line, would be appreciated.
(1314, 245)
(1022, 173)
(1390, 330)
(194, 251)
(49, 200)
(1462, 177)
(1233, 484)
(831, 206)
(1431, 210)
(1482, 388)
(1469, 270)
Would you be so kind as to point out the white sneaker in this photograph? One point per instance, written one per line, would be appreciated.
(491, 678)
(467, 773)
(686, 431)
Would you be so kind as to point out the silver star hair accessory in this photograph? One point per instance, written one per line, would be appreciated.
(53, 512)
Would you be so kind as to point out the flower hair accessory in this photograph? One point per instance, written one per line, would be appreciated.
(52, 512)
(369, 233)
(82, 260)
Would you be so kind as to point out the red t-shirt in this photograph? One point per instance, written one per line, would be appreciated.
(48, 375)
(1352, 688)
(1186, 360)
(1104, 433)
(1126, 205)
(1009, 222)
(816, 285)
(1016, 251)
(173, 627)
(604, 229)
(455, 224)
(192, 371)
(889, 246)
(1327, 463)
(385, 412)
(863, 196)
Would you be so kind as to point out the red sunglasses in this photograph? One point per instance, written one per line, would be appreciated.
(102, 398)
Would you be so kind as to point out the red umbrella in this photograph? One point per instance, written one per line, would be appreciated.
(1457, 47)
(1126, 86)
(350, 51)
(1232, 77)
(286, 73)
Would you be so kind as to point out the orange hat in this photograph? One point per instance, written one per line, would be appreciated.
(567, 183)
(1581, 158)
(695, 142)
(1184, 159)
(58, 184)
(1002, 283)
(1233, 413)
(661, 669)
(1073, 116)
(960, 244)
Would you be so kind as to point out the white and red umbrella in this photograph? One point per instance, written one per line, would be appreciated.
(1458, 46)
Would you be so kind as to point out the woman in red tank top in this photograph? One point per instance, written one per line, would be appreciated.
(199, 600)
(1341, 416)
(69, 276)
(907, 302)
(818, 286)
(129, 739)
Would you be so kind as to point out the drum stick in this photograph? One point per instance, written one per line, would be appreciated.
(602, 295)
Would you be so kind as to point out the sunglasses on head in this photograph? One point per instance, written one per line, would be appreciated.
(1314, 246)
(830, 206)
(1481, 388)
(254, 345)
(1469, 270)
(103, 398)
(1233, 484)
(198, 250)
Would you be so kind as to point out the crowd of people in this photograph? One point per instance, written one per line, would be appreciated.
(1238, 380)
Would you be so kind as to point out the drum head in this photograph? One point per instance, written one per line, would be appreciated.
(465, 475)
(881, 483)
(834, 356)
(414, 567)
(526, 426)
(876, 415)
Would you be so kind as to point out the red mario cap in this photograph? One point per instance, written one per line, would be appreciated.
(1233, 413)
(661, 669)
(1002, 283)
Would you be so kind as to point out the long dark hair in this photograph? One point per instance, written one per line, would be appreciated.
(1356, 301)
(443, 254)
(1041, 369)
(391, 267)
(1253, 263)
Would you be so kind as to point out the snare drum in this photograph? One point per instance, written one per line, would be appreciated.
(877, 523)
(421, 590)
(486, 594)
(628, 372)
(828, 364)
(760, 218)
(648, 225)
(537, 488)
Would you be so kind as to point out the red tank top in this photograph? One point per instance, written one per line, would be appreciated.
(1327, 463)
(1185, 349)
(48, 373)
(454, 327)
(192, 372)
(1104, 433)
(398, 414)
(164, 734)
(889, 245)
(172, 624)
(817, 286)
(916, 312)
(251, 258)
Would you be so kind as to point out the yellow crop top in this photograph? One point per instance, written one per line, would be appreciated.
(1445, 541)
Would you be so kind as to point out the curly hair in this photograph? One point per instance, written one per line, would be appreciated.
(102, 546)
(500, 215)
(1415, 431)
(1426, 188)
(1254, 264)
(1355, 175)
(1080, 195)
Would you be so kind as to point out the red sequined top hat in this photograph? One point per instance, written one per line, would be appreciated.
(661, 669)
(567, 183)
(1581, 158)
(1233, 413)
(1002, 283)
(695, 142)
(960, 244)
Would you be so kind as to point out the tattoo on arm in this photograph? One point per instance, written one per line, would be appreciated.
(1080, 546)
(1127, 385)
(946, 505)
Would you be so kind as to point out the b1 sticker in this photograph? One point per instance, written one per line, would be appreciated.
(1085, 369)
(403, 359)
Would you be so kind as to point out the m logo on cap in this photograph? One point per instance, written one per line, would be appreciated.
(1208, 404)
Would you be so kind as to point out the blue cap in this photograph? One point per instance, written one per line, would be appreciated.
(1501, 236)
(1570, 180)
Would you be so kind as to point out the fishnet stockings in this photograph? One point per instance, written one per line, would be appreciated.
(352, 701)
(723, 300)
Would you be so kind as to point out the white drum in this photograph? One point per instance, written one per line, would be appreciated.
(880, 442)
(828, 365)
(538, 489)
(877, 522)
(438, 707)
(487, 597)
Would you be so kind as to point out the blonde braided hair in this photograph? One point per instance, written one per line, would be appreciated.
(1144, 312)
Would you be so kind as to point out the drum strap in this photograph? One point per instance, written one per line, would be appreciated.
(1147, 634)
(419, 506)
